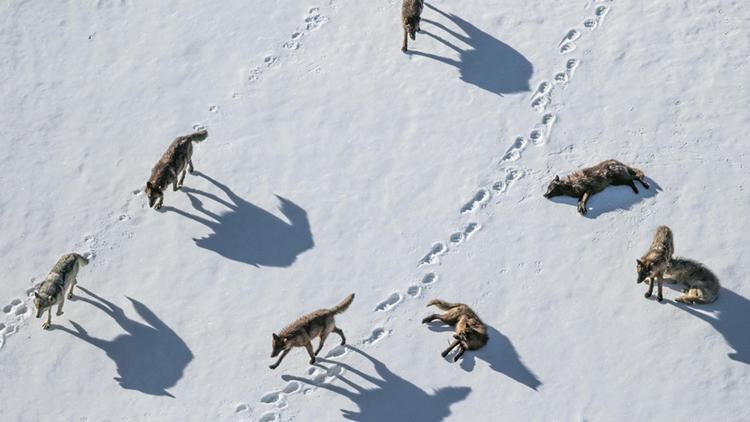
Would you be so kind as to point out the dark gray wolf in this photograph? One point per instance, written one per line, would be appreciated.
(176, 160)
(702, 286)
(411, 14)
(301, 332)
(584, 183)
(58, 285)
(471, 333)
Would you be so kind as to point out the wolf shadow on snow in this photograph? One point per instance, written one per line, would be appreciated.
(485, 62)
(150, 357)
(729, 315)
(247, 233)
(392, 398)
(612, 198)
(499, 353)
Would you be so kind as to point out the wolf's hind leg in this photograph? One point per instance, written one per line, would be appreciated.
(659, 296)
(632, 186)
(460, 353)
(182, 178)
(582, 203)
(309, 348)
(60, 305)
(451, 347)
(72, 286)
(323, 336)
(338, 331)
(405, 43)
(191, 169)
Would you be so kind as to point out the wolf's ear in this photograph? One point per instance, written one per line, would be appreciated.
(557, 178)
(639, 262)
(149, 185)
(36, 294)
(275, 337)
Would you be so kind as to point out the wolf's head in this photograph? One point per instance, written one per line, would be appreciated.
(412, 24)
(42, 302)
(278, 345)
(555, 188)
(154, 193)
(643, 269)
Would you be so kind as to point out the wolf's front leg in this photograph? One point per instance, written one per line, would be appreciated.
(404, 44)
(632, 186)
(182, 179)
(650, 287)
(46, 323)
(191, 169)
(309, 348)
(460, 353)
(60, 305)
(660, 281)
(175, 185)
(284, 353)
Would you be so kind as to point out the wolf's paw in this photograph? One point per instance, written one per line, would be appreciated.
(647, 295)
(312, 361)
(582, 209)
(273, 366)
(70, 296)
(45, 326)
(59, 313)
(426, 320)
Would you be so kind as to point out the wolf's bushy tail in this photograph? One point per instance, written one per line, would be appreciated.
(443, 305)
(82, 259)
(199, 136)
(344, 305)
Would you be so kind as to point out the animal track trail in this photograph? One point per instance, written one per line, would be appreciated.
(312, 21)
(433, 256)
(480, 198)
(389, 303)
(568, 45)
(377, 334)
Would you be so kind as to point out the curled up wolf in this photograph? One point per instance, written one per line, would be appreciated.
(470, 331)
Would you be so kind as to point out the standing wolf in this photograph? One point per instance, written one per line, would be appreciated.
(176, 160)
(53, 289)
(702, 286)
(584, 183)
(471, 333)
(411, 14)
(302, 331)
(656, 261)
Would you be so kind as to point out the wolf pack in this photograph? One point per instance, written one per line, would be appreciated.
(657, 265)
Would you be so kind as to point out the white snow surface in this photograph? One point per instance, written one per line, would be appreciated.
(337, 164)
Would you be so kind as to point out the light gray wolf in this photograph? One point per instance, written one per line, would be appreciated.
(58, 285)
(177, 159)
(702, 286)
(652, 266)
(301, 332)
(584, 183)
(411, 14)
(470, 331)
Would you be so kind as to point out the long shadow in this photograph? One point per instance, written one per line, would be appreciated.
(499, 353)
(247, 233)
(392, 398)
(149, 358)
(729, 315)
(485, 62)
(613, 198)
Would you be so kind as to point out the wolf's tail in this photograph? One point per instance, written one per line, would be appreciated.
(82, 260)
(344, 305)
(199, 136)
(443, 305)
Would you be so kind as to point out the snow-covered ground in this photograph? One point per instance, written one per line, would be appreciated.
(337, 164)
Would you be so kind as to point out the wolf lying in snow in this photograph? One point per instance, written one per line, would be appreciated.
(471, 333)
(656, 261)
(411, 12)
(302, 331)
(702, 286)
(58, 285)
(584, 183)
(176, 160)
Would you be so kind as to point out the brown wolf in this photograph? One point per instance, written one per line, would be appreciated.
(411, 12)
(302, 331)
(702, 286)
(58, 285)
(167, 170)
(584, 183)
(471, 333)
(656, 261)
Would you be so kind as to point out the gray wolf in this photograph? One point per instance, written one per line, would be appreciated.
(584, 183)
(411, 12)
(702, 286)
(177, 159)
(58, 285)
(470, 331)
(656, 261)
(301, 332)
